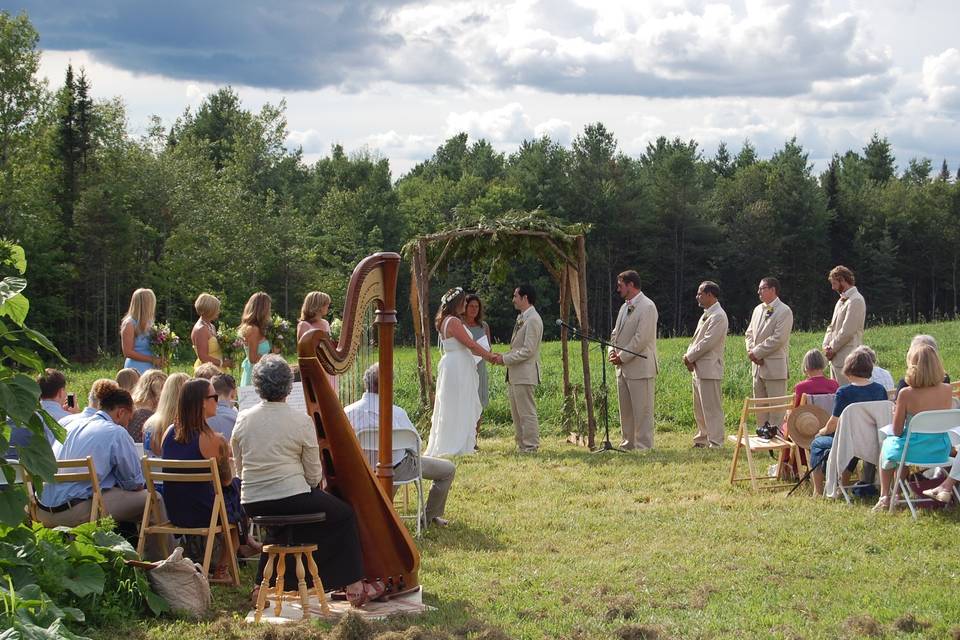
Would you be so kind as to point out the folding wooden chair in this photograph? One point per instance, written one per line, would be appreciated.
(751, 443)
(73, 470)
(157, 470)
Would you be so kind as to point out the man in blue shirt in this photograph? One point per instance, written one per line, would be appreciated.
(226, 388)
(53, 393)
(117, 462)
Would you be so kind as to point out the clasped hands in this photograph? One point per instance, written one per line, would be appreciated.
(754, 359)
(496, 358)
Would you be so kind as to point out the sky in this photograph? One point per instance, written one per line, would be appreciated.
(397, 78)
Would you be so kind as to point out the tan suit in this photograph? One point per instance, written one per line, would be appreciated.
(523, 375)
(845, 332)
(706, 354)
(636, 331)
(768, 336)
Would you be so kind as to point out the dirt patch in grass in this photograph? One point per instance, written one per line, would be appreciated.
(622, 607)
(701, 595)
(955, 633)
(907, 623)
(859, 626)
(641, 632)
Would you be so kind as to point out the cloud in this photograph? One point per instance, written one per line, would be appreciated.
(941, 80)
(655, 48)
(310, 141)
(560, 131)
(504, 124)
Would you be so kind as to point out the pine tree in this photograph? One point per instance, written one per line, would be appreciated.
(746, 157)
(67, 143)
(944, 172)
(879, 159)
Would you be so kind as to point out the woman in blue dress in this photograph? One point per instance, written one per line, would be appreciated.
(926, 391)
(136, 330)
(190, 438)
(253, 330)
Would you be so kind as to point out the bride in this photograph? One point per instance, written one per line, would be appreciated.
(456, 408)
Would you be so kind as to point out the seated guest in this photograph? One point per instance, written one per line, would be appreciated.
(944, 491)
(190, 438)
(278, 459)
(156, 425)
(117, 462)
(226, 388)
(365, 414)
(857, 368)
(814, 382)
(53, 394)
(98, 389)
(146, 396)
(917, 341)
(128, 378)
(880, 375)
(926, 391)
(206, 371)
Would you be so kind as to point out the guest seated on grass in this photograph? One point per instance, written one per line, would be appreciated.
(128, 378)
(814, 382)
(926, 391)
(226, 388)
(98, 389)
(190, 438)
(278, 458)
(156, 425)
(146, 397)
(857, 367)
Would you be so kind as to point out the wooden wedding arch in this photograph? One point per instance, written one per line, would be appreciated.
(560, 248)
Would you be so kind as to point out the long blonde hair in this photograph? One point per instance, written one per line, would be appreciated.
(166, 411)
(146, 393)
(142, 311)
(924, 367)
(312, 304)
(256, 313)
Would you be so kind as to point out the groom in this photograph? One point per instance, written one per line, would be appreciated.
(523, 368)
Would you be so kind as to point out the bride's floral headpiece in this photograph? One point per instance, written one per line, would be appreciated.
(451, 294)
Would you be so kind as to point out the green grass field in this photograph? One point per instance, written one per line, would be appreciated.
(569, 544)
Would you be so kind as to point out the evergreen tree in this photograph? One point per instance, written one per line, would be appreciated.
(746, 157)
(878, 156)
(944, 175)
(722, 164)
(918, 171)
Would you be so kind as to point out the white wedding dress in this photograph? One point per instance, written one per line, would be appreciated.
(456, 409)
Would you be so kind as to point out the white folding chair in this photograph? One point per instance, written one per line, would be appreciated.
(402, 439)
(931, 422)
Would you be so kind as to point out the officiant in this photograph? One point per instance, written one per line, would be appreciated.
(478, 328)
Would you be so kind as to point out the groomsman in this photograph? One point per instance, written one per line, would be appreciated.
(523, 369)
(704, 359)
(768, 346)
(845, 332)
(636, 332)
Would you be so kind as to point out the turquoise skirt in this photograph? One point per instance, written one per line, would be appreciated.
(925, 448)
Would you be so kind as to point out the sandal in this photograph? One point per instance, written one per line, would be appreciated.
(371, 591)
(883, 504)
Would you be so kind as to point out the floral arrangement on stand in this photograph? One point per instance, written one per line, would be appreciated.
(165, 342)
(280, 334)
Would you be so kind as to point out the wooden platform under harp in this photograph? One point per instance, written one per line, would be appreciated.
(389, 553)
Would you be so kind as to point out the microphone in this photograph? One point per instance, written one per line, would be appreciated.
(561, 323)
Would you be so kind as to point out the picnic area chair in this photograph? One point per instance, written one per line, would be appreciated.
(939, 421)
(156, 470)
(749, 444)
(72, 470)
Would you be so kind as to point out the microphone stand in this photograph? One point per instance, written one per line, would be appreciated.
(606, 445)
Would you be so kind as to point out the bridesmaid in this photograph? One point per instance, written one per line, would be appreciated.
(477, 328)
(136, 329)
(253, 330)
(316, 305)
(204, 334)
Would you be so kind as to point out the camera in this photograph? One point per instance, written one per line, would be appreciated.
(767, 431)
(72, 400)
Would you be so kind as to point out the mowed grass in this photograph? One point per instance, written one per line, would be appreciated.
(571, 544)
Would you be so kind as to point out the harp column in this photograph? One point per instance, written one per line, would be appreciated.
(385, 320)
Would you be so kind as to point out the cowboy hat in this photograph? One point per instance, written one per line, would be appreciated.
(804, 423)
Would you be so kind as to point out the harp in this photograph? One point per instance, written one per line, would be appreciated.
(389, 553)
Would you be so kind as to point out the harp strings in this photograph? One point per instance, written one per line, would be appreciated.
(350, 383)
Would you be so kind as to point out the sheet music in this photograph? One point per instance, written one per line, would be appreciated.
(248, 397)
(483, 342)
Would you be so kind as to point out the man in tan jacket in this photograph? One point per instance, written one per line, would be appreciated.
(635, 333)
(845, 332)
(768, 346)
(523, 369)
(704, 359)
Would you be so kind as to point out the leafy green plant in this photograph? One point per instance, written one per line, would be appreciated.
(78, 575)
(21, 350)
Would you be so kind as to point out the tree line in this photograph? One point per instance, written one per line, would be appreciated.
(216, 202)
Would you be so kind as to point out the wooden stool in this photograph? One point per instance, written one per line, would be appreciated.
(277, 557)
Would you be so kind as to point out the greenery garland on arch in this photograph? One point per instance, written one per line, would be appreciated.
(560, 247)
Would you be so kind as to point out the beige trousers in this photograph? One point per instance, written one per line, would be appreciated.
(636, 411)
(708, 411)
(439, 471)
(523, 410)
(837, 372)
(763, 388)
(122, 506)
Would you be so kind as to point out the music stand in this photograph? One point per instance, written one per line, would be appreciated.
(606, 445)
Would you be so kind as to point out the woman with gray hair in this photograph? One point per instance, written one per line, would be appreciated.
(278, 461)
(814, 383)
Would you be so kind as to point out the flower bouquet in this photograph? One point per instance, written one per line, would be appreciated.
(165, 343)
(231, 344)
(280, 333)
(335, 328)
